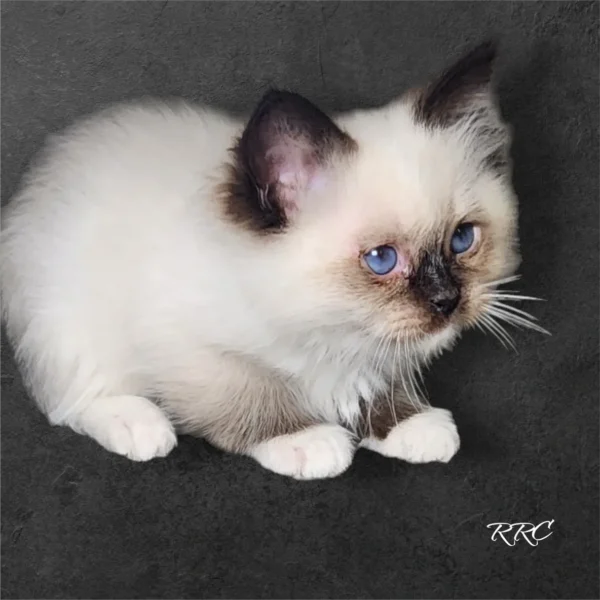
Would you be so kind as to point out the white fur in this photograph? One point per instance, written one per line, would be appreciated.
(128, 425)
(120, 278)
(425, 437)
(313, 453)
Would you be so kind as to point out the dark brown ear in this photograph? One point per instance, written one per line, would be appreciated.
(284, 150)
(454, 93)
(464, 96)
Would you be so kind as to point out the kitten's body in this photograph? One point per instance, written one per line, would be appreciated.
(128, 272)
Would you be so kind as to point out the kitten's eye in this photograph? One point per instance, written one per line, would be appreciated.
(381, 260)
(462, 238)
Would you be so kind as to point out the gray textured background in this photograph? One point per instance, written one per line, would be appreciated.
(79, 522)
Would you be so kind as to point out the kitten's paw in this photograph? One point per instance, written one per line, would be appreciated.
(128, 425)
(429, 436)
(313, 453)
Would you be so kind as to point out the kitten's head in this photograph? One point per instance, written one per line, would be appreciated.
(397, 219)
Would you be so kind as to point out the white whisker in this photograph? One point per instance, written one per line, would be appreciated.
(501, 281)
(490, 328)
(416, 370)
(515, 320)
(416, 395)
(385, 353)
(498, 331)
(513, 309)
(393, 406)
(404, 373)
(380, 346)
(509, 295)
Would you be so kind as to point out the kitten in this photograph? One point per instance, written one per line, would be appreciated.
(272, 286)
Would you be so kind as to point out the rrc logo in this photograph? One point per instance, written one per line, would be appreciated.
(511, 533)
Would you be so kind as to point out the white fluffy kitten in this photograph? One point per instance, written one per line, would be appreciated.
(272, 285)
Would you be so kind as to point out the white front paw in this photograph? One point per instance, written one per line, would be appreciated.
(128, 425)
(313, 453)
(425, 437)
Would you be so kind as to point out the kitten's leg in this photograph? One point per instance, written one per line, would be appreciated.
(128, 425)
(73, 391)
(398, 429)
(255, 412)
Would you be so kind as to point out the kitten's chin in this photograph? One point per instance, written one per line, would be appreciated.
(434, 343)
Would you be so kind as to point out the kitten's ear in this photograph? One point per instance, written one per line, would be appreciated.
(286, 149)
(464, 96)
(459, 89)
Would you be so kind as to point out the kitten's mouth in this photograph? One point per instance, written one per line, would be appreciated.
(437, 324)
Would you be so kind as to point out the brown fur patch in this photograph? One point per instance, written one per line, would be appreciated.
(384, 414)
(236, 411)
(240, 205)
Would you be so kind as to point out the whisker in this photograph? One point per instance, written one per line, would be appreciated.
(505, 332)
(380, 347)
(500, 332)
(404, 373)
(385, 353)
(515, 320)
(501, 281)
(481, 327)
(485, 328)
(419, 373)
(381, 344)
(393, 406)
(510, 295)
(501, 337)
(416, 370)
(417, 395)
(490, 329)
(404, 384)
(513, 309)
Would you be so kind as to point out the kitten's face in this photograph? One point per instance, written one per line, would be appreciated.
(412, 230)
(395, 219)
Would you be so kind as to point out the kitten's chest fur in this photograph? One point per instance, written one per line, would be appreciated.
(337, 370)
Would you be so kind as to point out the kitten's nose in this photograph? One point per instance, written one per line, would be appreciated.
(445, 302)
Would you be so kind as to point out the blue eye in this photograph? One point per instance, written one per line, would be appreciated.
(462, 238)
(381, 260)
